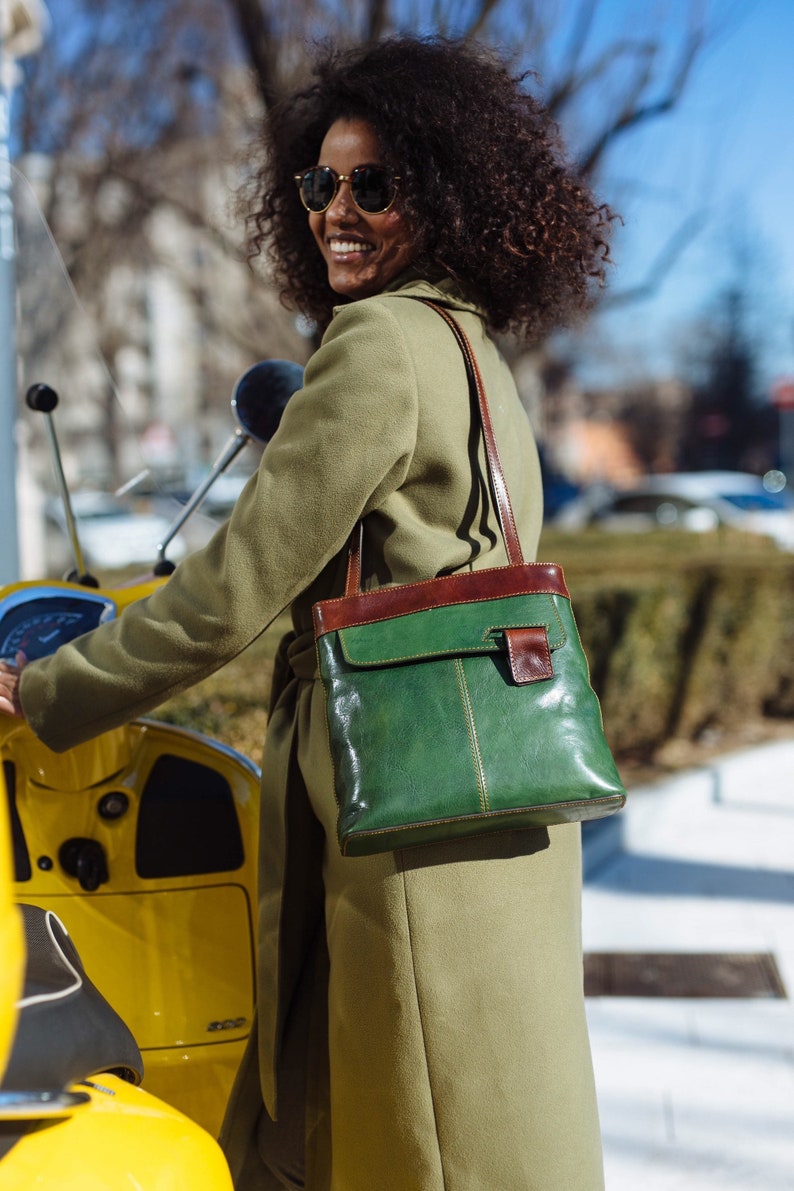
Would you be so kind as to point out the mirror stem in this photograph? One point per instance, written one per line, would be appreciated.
(232, 449)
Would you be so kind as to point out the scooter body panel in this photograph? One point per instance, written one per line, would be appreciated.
(12, 948)
(120, 1139)
(176, 965)
(144, 843)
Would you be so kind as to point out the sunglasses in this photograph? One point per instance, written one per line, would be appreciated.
(372, 188)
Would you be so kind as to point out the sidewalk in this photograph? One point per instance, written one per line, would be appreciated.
(697, 1094)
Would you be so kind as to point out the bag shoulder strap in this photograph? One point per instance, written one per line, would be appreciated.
(496, 476)
(495, 473)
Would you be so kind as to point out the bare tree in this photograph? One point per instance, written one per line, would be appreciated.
(119, 86)
(133, 110)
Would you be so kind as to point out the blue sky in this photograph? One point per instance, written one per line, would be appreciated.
(727, 152)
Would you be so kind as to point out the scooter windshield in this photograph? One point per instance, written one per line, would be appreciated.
(127, 454)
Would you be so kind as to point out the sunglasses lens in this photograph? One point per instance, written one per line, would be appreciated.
(372, 188)
(317, 188)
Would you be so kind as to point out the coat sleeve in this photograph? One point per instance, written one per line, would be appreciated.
(344, 444)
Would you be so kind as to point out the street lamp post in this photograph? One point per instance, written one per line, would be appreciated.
(21, 28)
(9, 539)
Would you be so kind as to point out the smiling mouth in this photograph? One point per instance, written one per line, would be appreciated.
(349, 247)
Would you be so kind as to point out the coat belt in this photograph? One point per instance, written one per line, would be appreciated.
(302, 656)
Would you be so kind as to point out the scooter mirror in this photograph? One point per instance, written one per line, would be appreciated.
(261, 395)
(259, 399)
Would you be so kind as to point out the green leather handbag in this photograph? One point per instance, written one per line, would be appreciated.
(463, 704)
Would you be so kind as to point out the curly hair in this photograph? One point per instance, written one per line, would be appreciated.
(484, 181)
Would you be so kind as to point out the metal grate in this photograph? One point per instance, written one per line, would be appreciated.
(685, 974)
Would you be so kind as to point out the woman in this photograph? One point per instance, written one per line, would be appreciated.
(420, 1014)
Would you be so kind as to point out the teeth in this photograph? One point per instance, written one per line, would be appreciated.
(341, 247)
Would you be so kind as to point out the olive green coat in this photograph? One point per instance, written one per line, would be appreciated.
(450, 1049)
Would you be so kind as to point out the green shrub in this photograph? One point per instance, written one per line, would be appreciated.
(686, 634)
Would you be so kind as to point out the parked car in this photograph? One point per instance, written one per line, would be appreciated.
(111, 534)
(558, 490)
(694, 501)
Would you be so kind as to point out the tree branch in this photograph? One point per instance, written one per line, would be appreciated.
(574, 82)
(635, 113)
(480, 18)
(377, 15)
(579, 34)
(660, 267)
(258, 42)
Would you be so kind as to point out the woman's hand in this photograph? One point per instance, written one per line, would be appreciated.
(9, 686)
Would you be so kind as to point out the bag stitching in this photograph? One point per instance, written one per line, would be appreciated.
(406, 657)
(452, 603)
(471, 728)
(459, 574)
(522, 624)
(484, 645)
(491, 814)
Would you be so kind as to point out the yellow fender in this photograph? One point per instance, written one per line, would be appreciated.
(119, 1138)
(11, 944)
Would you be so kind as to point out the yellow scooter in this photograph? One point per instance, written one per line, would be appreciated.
(142, 842)
(71, 1113)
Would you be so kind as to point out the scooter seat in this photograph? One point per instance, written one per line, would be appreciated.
(66, 1030)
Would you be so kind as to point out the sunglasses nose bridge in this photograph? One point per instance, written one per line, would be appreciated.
(342, 202)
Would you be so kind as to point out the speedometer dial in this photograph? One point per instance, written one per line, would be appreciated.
(41, 634)
(37, 620)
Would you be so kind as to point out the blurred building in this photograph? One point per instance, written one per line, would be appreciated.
(611, 435)
(145, 360)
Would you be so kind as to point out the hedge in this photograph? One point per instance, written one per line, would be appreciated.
(686, 635)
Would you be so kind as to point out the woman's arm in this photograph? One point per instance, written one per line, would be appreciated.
(344, 444)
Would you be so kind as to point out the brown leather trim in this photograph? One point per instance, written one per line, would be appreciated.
(529, 653)
(353, 581)
(531, 578)
(498, 482)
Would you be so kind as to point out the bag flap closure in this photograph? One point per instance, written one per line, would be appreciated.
(472, 628)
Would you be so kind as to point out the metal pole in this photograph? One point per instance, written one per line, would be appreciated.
(786, 416)
(9, 538)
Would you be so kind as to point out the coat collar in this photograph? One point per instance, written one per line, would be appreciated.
(443, 289)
